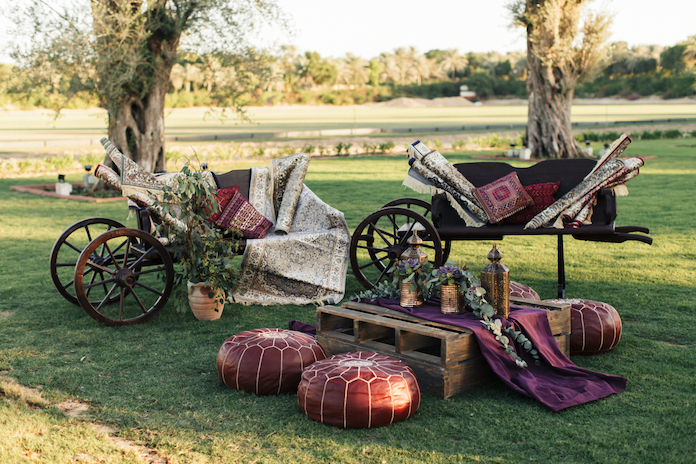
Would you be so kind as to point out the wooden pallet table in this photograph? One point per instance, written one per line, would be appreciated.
(445, 358)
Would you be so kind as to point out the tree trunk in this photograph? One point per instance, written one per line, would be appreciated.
(549, 130)
(136, 127)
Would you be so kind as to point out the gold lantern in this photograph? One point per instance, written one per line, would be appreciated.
(408, 297)
(495, 279)
(414, 250)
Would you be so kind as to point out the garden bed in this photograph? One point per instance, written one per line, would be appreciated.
(49, 191)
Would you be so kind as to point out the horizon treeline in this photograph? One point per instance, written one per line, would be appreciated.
(289, 77)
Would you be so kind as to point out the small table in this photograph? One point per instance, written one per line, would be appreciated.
(445, 358)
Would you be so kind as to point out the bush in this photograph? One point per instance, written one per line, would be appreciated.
(672, 134)
(386, 147)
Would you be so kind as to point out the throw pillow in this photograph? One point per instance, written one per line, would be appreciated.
(542, 195)
(241, 215)
(223, 197)
(503, 197)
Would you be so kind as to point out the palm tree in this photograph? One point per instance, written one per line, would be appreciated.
(452, 62)
(359, 68)
(344, 72)
(690, 51)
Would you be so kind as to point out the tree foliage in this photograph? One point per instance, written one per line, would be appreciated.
(126, 49)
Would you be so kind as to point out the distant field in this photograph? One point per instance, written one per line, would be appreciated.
(37, 132)
(16, 125)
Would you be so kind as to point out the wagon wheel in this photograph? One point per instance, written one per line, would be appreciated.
(135, 277)
(67, 249)
(423, 207)
(380, 239)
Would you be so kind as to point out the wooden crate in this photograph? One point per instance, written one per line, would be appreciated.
(446, 359)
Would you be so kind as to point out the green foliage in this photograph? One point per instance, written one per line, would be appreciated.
(386, 147)
(610, 136)
(659, 83)
(156, 384)
(202, 252)
(384, 289)
(434, 142)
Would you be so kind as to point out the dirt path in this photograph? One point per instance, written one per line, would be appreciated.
(78, 410)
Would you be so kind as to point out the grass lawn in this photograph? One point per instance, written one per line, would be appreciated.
(156, 384)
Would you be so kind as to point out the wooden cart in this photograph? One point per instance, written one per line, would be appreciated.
(120, 275)
(381, 237)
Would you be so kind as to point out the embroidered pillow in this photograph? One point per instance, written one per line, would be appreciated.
(241, 215)
(542, 194)
(223, 197)
(503, 197)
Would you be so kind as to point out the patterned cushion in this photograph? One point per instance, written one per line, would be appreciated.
(542, 195)
(358, 390)
(518, 290)
(503, 197)
(595, 327)
(241, 215)
(266, 361)
(223, 197)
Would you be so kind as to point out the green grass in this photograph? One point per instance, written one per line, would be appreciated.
(156, 383)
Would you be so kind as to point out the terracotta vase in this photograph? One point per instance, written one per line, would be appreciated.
(449, 299)
(204, 308)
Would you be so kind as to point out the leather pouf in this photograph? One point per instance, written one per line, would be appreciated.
(358, 390)
(518, 290)
(267, 361)
(595, 327)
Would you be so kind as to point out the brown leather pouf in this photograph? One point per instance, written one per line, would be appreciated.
(518, 290)
(358, 390)
(595, 327)
(267, 361)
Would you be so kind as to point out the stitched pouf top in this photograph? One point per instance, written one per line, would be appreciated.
(595, 327)
(358, 390)
(518, 290)
(267, 361)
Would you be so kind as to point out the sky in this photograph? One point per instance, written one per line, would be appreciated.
(367, 28)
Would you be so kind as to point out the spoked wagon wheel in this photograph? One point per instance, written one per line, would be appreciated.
(423, 207)
(134, 277)
(380, 239)
(67, 249)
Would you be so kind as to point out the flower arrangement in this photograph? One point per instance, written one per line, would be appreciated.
(412, 270)
(449, 274)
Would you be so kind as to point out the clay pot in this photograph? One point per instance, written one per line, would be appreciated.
(204, 308)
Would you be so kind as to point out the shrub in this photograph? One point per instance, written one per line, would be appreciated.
(369, 148)
(386, 147)
(672, 134)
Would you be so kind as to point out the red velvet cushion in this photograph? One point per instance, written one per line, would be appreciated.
(266, 361)
(358, 390)
(542, 195)
(241, 215)
(503, 197)
(518, 290)
(595, 327)
(223, 196)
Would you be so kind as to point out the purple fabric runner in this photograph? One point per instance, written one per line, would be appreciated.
(556, 382)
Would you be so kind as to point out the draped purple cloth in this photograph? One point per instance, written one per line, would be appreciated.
(556, 382)
(303, 327)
